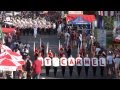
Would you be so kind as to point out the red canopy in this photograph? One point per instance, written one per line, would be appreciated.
(8, 30)
(89, 18)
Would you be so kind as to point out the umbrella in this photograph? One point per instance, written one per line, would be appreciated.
(12, 57)
(9, 65)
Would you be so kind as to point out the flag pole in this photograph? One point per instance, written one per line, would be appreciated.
(40, 42)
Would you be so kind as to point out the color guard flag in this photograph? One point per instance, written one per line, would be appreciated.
(34, 47)
(59, 45)
(40, 42)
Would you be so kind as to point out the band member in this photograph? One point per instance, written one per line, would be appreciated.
(50, 54)
(79, 64)
(94, 65)
(35, 32)
(86, 64)
(47, 61)
(61, 51)
(55, 63)
(69, 51)
(102, 64)
(63, 64)
(36, 52)
(71, 64)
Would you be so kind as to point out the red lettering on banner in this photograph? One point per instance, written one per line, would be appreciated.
(62, 61)
(71, 61)
(87, 61)
(47, 61)
(94, 62)
(78, 61)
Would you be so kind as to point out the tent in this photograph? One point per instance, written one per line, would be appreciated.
(89, 18)
(79, 20)
(8, 30)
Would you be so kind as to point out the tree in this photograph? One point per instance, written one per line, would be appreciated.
(108, 23)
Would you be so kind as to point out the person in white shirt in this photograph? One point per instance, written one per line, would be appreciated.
(63, 64)
(47, 62)
(55, 63)
(71, 64)
(79, 64)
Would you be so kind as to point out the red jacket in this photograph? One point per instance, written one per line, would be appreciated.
(37, 66)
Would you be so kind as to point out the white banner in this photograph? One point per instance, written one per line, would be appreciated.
(79, 61)
(94, 61)
(71, 61)
(75, 12)
(41, 59)
(47, 61)
(55, 62)
(102, 62)
(8, 68)
(86, 61)
(63, 61)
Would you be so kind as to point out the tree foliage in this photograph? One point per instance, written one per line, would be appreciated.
(108, 23)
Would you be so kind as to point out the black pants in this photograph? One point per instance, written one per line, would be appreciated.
(86, 70)
(94, 70)
(102, 71)
(70, 70)
(55, 71)
(63, 70)
(47, 70)
(79, 68)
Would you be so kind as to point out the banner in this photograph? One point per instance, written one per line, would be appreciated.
(63, 61)
(86, 61)
(79, 61)
(55, 62)
(94, 61)
(71, 61)
(102, 62)
(47, 61)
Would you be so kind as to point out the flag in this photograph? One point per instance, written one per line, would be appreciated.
(100, 22)
(59, 45)
(47, 48)
(2, 36)
(34, 47)
(106, 13)
(40, 42)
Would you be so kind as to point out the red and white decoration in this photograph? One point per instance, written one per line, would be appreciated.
(4, 48)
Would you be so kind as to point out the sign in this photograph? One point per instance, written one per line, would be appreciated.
(102, 62)
(41, 59)
(63, 61)
(94, 61)
(71, 61)
(79, 61)
(47, 61)
(55, 61)
(86, 61)
(75, 12)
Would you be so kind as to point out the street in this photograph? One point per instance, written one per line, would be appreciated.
(53, 45)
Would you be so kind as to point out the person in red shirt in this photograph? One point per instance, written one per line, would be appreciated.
(37, 68)
(61, 52)
(50, 54)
